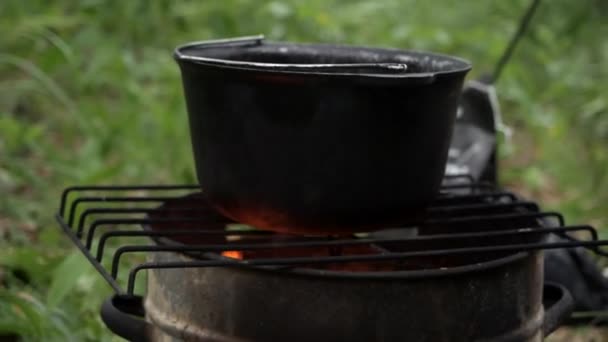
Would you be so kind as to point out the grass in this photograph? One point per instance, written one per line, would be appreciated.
(89, 93)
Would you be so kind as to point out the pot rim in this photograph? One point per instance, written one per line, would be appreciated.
(180, 55)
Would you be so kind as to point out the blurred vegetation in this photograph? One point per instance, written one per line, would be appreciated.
(89, 93)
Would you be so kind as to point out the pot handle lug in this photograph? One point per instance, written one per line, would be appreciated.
(123, 315)
(558, 305)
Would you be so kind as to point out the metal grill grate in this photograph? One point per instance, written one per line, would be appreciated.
(96, 217)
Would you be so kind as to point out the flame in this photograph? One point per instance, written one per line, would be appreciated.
(233, 254)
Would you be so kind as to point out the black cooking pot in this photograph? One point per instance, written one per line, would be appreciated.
(318, 138)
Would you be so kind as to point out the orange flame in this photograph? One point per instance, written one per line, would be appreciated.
(233, 254)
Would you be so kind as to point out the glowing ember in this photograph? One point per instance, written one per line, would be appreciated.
(233, 254)
(316, 252)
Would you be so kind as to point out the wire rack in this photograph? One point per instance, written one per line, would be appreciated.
(467, 218)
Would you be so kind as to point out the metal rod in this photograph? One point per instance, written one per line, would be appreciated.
(198, 232)
(499, 217)
(67, 191)
(341, 243)
(359, 258)
(521, 30)
(68, 231)
(139, 221)
(486, 206)
(457, 217)
(116, 199)
(238, 41)
(172, 233)
(104, 211)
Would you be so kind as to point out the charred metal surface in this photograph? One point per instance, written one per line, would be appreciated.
(262, 305)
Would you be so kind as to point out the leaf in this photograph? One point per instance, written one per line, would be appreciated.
(35, 72)
(17, 316)
(65, 278)
(24, 315)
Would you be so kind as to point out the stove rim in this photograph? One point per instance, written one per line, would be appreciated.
(364, 275)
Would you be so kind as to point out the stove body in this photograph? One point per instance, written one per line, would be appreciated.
(243, 304)
(470, 270)
(423, 297)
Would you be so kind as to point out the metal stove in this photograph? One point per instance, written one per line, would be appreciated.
(471, 270)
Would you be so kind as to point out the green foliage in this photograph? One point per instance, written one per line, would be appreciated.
(65, 277)
(26, 316)
(89, 94)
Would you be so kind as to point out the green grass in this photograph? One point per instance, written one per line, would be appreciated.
(89, 93)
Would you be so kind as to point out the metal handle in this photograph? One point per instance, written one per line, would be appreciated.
(369, 68)
(238, 41)
(123, 315)
(344, 67)
(558, 305)
(259, 39)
